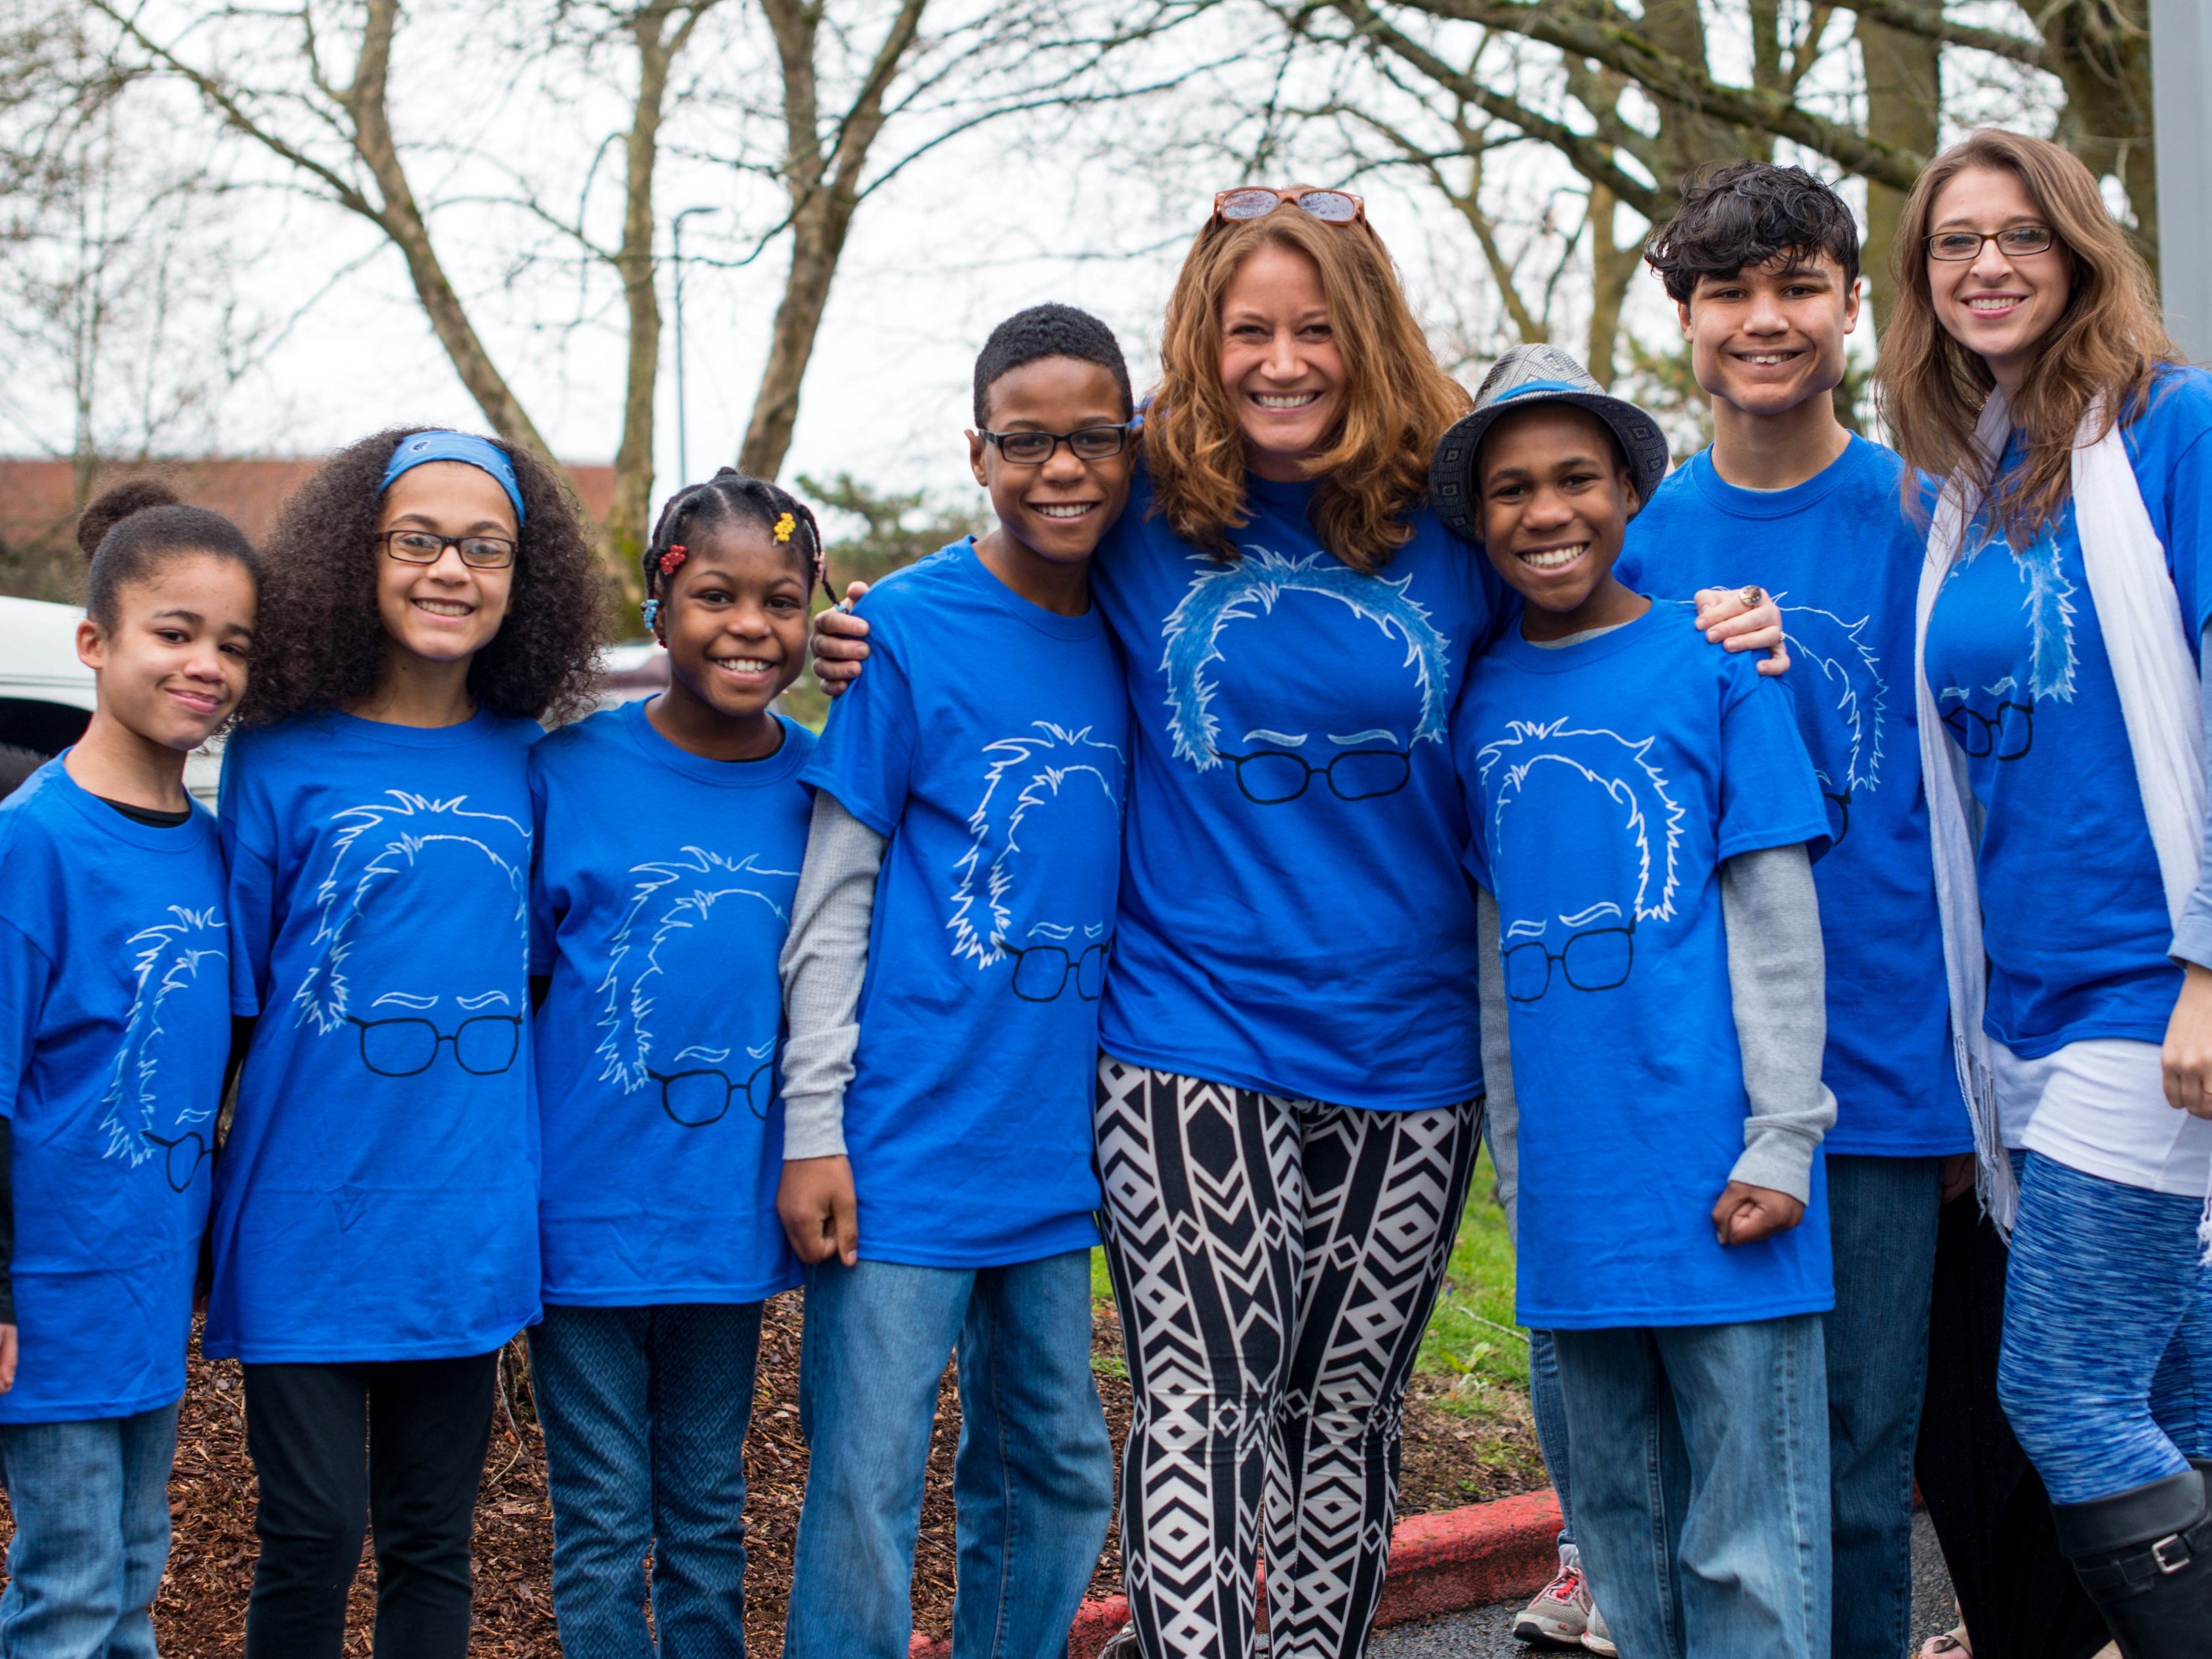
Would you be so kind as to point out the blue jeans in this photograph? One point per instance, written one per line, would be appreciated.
(1033, 1481)
(1700, 1458)
(1881, 1226)
(91, 1502)
(2106, 1373)
(645, 1412)
(1549, 1407)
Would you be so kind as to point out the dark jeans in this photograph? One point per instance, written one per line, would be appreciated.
(645, 1412)
(397, 1445)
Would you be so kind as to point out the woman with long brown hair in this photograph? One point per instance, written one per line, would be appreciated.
(1290, 1085)
(2062, 612)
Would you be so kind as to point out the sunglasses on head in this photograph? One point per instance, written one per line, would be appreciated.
(1331, 207)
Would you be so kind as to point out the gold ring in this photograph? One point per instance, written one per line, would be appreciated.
(1752, 595)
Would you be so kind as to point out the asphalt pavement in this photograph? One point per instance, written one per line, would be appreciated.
(1487, 1632)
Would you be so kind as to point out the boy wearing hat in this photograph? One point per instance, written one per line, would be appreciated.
(1643, 814)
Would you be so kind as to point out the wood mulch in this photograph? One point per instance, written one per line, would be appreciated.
(1451, 1458)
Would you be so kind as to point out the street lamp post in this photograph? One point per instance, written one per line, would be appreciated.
(683, 433)
(2181, 69)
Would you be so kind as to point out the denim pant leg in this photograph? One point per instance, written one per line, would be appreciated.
(1754, 1552)
(1630, 1480)
(589, 1370)
(66, 1481)
(703, 1361)
(1882, 1222)
(1551, 1414)
(2104, 1279)
(877, 1338)
(148, 1452)
(1034, 1481)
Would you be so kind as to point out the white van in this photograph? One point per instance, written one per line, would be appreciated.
(46, 695)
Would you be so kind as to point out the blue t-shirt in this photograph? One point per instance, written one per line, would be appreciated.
(2074, 914)
(378, 1196)
(114, 1026)
(1607, 781)
(1842, 558)
(986, 740)
(1295, 917)
(661, 901)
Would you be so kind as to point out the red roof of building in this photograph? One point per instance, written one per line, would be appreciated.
(38, 498)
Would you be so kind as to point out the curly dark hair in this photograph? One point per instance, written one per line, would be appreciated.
(319, 644)
(729, 497)
(1746, 215)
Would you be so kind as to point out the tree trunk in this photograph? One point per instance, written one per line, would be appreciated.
(2101, 49)
(1613, 267)
(629, 516)
(1904, 98)
(825, 192)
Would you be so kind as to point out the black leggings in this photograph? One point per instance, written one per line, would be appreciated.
(397, 1445)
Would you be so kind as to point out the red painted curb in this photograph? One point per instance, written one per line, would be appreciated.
(1467, 1558)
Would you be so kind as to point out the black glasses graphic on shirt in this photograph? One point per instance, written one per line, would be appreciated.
(695, 1099)
(1270, 777)
(2006, 738)
(180, 1158)
(1597, 959)
(1839, 816)
(1042, 971)
(483, 1047)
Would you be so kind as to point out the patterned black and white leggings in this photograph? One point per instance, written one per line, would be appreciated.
(1276, 1261)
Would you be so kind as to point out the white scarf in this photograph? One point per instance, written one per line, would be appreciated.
(2154, 665)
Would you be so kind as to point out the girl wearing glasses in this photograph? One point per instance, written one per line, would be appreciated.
(670, 834)
(2062, 611)
(1289, 1090)
(375, 1223)
(113, 1038)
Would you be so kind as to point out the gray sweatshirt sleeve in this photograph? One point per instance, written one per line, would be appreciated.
(2192, 940)
(1777, 976)
(824, 961)
(1501, 1123)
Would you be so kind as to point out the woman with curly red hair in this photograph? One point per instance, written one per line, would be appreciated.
(1289, 1087)
(429, 597)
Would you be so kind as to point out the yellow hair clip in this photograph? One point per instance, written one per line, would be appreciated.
(784, 526)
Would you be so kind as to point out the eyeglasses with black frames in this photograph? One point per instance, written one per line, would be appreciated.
(1271, 777)
(2014, 241)
(1042, 971)
(1087, 443)
(1596, 959)
(485, 1045)
(695, 1099)
(428, 547)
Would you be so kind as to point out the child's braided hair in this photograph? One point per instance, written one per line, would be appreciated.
(729, 496)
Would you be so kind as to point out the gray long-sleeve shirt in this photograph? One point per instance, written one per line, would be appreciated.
(1778, 988)
(824, 963)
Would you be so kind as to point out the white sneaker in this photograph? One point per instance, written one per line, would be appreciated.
(1597, 1638)
(1560, 1613)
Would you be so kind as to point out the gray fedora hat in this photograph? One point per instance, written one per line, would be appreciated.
(1534, 375)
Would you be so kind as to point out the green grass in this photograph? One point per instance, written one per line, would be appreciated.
(1471, 1337)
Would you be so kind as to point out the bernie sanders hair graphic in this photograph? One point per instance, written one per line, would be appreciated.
(1622, 768)
(686, 905)
(137, 1118)
(2005, 728)
(1028, 775)
(1221, 594)
(1844, 701)
(1590, 898)
(376, 845)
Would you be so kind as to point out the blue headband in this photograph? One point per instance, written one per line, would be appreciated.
(479, 452)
